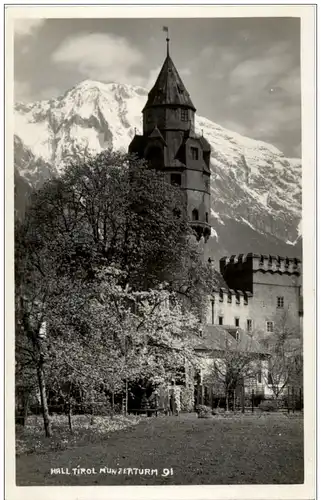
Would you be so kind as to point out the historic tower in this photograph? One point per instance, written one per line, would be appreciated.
(169, 143)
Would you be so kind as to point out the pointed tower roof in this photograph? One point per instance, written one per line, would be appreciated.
(169, 88)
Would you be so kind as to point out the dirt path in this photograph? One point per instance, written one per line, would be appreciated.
(199, 451)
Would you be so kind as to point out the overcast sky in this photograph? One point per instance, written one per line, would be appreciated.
(243, 74)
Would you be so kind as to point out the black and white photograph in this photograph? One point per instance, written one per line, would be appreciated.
(159, 285)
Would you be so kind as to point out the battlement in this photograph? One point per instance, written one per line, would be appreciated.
(260, 262)
(231, 296)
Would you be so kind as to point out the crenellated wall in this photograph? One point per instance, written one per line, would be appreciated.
(239, 271)
(262, 289)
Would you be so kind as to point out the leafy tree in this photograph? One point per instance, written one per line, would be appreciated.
(107, 236)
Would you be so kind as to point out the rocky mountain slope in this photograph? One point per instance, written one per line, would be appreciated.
(256, 190)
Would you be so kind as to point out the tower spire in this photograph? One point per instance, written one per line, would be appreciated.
(165, 28)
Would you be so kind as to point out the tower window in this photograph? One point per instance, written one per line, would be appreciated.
(237, 321)
(280, 302)
(195, 214)
(220, 320)
(194, 153)
(206, 216)
(249, 325)
(184, 115)
(176, 179)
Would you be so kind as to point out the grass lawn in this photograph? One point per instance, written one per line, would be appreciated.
(242, 449)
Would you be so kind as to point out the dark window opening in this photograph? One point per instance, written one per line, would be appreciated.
(269, 326)
(220, 320)
(280, 302)
(237, 321)
(249, 325)
(212, 311)
(194, 153)
(195, 214)
(259, 376)
(176, 179)
(221, 296)
(184, 115)
(206, 216)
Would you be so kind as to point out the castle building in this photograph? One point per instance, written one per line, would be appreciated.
(261, 292)
(169, 144)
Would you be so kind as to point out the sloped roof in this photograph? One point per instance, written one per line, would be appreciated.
(205, 144)
(220, 338)
(137, 145)
(156, 134)
(169, 88)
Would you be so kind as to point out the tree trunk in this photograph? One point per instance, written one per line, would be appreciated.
(69, 417)
(234, 400)
(226, 401)
(211, 396)
(26, 407)
(44, 403)
(112, 404)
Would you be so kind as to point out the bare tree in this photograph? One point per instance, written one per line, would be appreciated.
(234, 366)
(285, 365)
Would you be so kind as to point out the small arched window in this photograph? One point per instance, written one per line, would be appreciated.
(195, 214)
(206, 216)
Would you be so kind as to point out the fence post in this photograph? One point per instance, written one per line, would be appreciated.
(198, 394)
(288, 399)
(243, 398)
(252, 400)
(300, 395)
(293, 402)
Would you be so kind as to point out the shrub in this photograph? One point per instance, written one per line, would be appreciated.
(268, 405)
(187, 399)
(204, 411)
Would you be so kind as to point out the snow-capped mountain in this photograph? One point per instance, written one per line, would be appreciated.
(256, 190)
